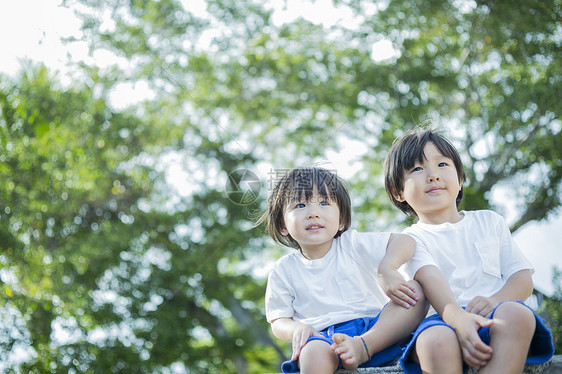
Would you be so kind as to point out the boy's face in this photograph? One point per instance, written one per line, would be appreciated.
(431, 187)
(313, 223)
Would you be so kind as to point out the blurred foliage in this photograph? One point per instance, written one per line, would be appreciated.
(551, 309)
(107, 267)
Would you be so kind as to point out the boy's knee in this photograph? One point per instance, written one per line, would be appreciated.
(316, 348)
(439, 341)
(515, 318)
(317, 353)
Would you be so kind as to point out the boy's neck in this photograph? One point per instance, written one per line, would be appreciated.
(316, 252)
(437, 219)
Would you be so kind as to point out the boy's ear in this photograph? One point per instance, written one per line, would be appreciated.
(284, 231)
(398, 197)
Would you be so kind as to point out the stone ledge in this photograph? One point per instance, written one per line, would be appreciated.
(554, 366)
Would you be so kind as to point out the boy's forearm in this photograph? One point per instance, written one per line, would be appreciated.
(283, 328)
(518, 287)
(438, 293)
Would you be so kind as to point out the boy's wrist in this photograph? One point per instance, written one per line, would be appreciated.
(453, 314)
(386, 268)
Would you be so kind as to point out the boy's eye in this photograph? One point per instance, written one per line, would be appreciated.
(324, 203)
(443, 164)
(417, 168)
(300, 205)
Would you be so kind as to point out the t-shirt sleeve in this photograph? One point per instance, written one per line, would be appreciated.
(512, 258)
(278, 297)
(421, 256)
(368, 248)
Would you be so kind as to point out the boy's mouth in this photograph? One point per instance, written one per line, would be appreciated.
(435, 189)
(314, 226)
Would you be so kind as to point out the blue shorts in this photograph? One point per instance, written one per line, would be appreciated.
(387, 356)
(540, 351)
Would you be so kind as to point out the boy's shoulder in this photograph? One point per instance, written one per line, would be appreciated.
(353, 235)
(484, 217)
(286, 264)
(362, 243)
(481, 213)
(288, 257)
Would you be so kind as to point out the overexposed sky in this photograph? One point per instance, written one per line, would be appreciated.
(32, 29)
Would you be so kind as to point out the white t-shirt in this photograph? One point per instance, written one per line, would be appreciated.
(341, 286)
(477, 255)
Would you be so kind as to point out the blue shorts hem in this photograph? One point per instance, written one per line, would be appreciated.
(540, 351)
(386, 357)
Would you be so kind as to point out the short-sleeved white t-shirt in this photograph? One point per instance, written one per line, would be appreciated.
(341, 286)
(477, 255)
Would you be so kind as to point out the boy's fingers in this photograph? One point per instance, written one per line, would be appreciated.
(410, 287)
(298, 343)
(401, 301)
(471, 361)
(485, 312)
(477, 355)
(406, 295)
(474, 309)
(481, 350)
(408, 290)
(479, 307)
(471, 305)
(296, 353)
(485, 322)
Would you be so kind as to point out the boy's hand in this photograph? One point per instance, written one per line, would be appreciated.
(474, 351)
(397, 288)
(481, 305)
(300, 337)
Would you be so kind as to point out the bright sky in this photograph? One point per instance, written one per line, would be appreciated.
(33, 28)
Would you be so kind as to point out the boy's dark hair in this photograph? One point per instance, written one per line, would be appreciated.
(297, 184)
(404, 154)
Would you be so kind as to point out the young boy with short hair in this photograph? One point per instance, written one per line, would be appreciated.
(469, 266)
(325, 297)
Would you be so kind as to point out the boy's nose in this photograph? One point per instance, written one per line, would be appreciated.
(432, 177)
(312, 211)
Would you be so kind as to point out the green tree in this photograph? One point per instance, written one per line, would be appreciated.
(143, 277)
(493, 79)
(490, 70)
(107, 275)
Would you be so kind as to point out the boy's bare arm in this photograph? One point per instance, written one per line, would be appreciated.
(295, 332)
(436, 288)
(399, 250)
(518, 287)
